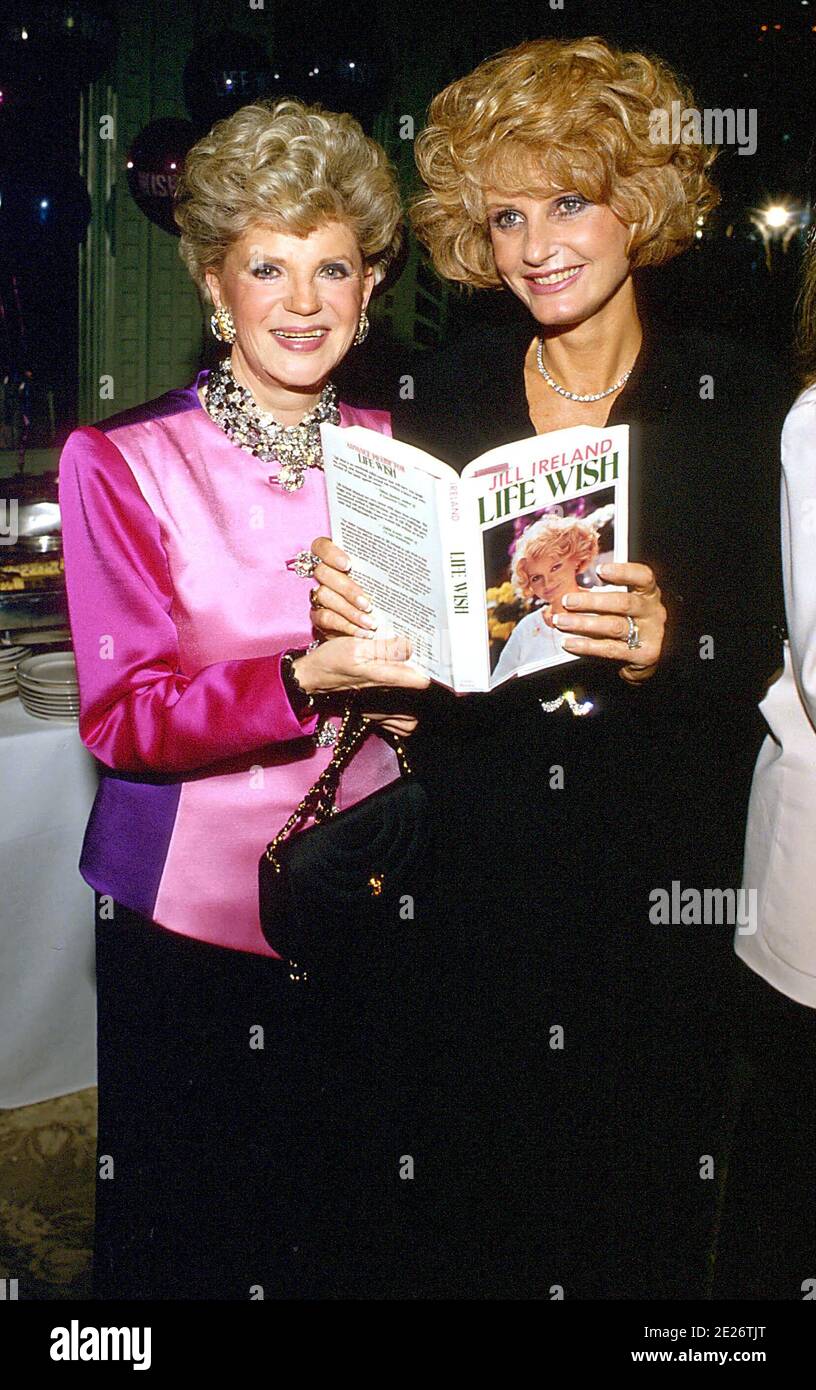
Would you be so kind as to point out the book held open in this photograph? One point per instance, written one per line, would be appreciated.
(472, 567)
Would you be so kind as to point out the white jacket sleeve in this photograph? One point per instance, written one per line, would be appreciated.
(798, 502)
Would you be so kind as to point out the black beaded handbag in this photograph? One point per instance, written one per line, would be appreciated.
(351, 892)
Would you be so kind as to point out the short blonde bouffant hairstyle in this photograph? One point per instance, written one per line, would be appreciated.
(567, 538)
(290, 167)
(556, 115)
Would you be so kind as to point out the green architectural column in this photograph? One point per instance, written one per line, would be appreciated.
(140, 315)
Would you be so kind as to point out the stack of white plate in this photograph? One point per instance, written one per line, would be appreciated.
(47, 685)
(9, 657)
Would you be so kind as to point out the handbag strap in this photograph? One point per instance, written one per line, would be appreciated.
(320, 798)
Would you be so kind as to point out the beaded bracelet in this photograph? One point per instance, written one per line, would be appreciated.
(300, 699)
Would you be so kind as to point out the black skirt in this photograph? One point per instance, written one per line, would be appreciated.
(491, 1123)
(767, 1237)
(252, 1134)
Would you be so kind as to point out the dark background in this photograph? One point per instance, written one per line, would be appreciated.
(754, 54)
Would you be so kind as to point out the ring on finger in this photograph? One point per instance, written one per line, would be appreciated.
(632, 638)
(304, 564)
(313, 603)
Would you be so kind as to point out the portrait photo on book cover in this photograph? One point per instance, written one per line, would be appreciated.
(531, 562)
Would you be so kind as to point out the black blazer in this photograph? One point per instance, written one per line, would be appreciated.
(705, 493)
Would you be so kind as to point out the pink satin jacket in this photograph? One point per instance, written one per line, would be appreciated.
(176, 544)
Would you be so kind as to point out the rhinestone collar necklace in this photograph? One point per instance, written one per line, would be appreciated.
(573, 395)
(295, 447)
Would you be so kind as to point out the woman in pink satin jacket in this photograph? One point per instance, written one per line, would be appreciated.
(229, 1109)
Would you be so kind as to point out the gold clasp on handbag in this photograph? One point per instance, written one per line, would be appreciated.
(319, 799)
(321, 795)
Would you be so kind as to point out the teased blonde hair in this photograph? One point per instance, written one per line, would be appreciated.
(557, 115)
(291, 167)
(566, 537)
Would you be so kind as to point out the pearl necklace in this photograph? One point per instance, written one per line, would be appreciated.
(294, 447)
(573, 395)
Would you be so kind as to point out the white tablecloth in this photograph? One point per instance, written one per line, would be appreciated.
(47, 985)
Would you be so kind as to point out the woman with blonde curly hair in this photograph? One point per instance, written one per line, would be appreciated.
(547, 560)
(591, 1032)
(237, 1120)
